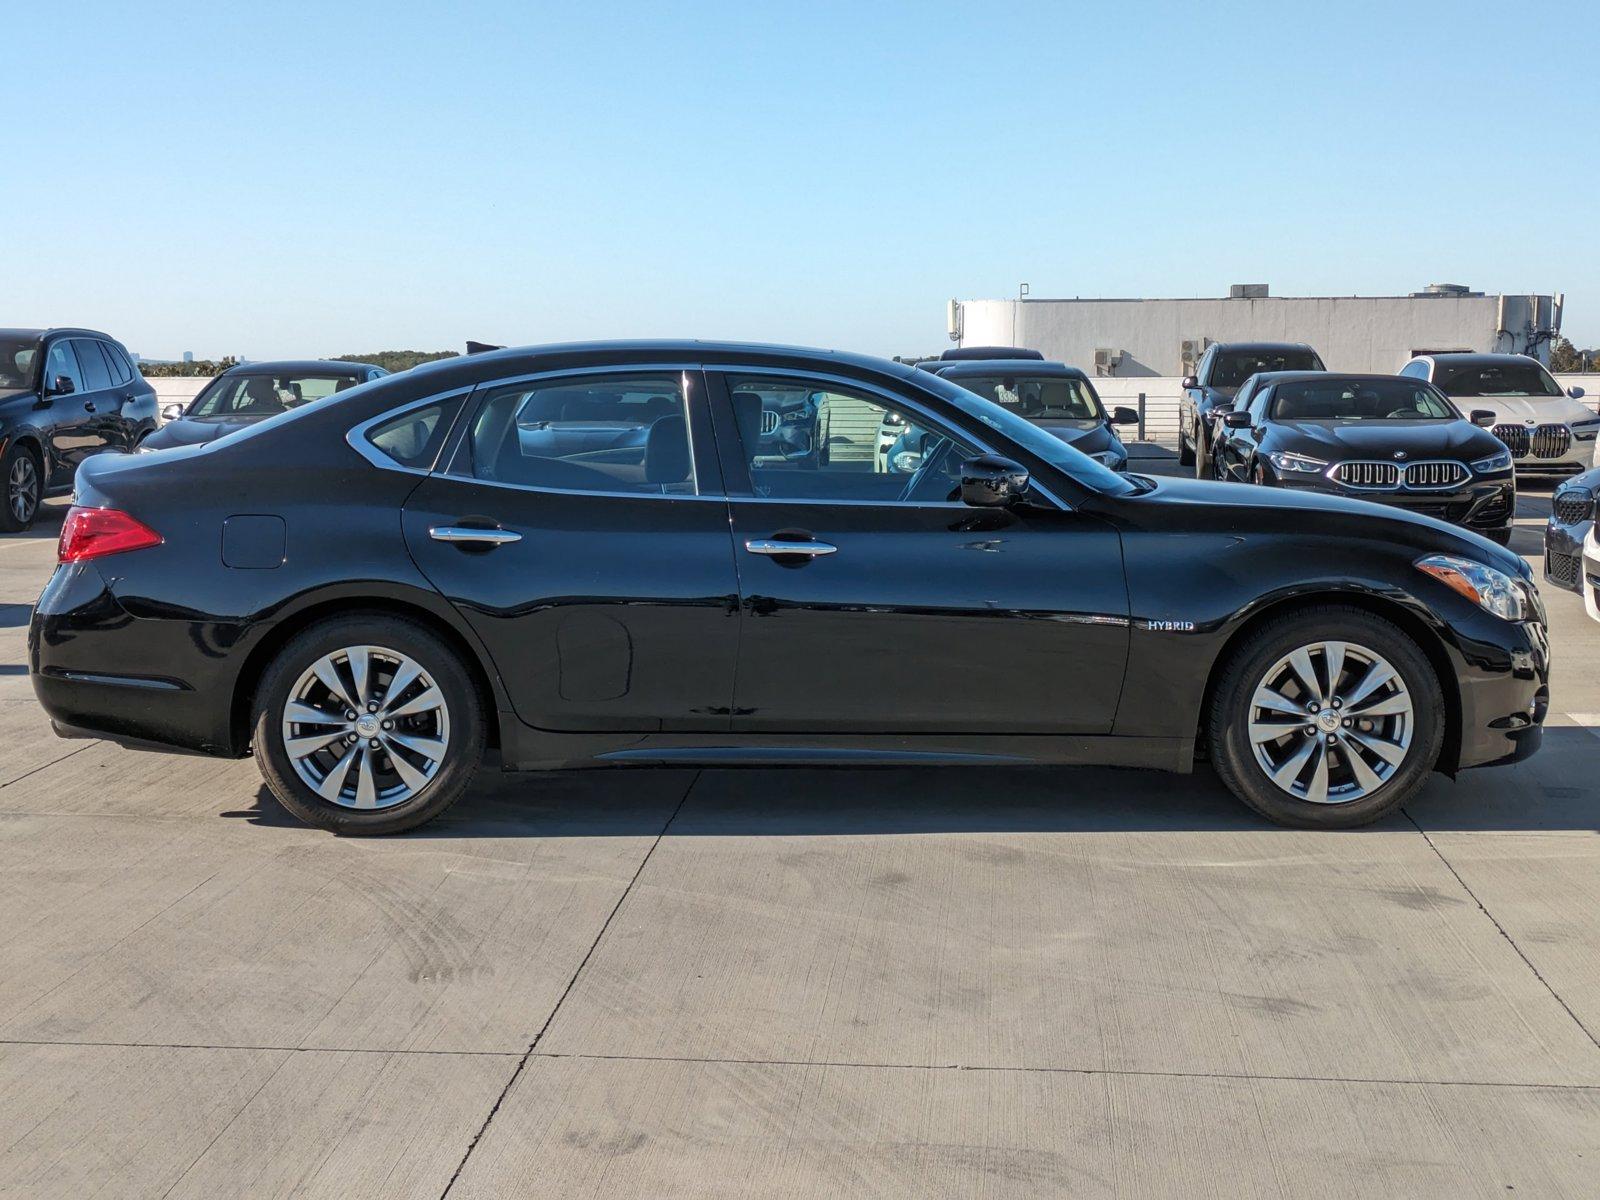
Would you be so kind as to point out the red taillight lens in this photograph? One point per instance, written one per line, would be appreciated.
(93, 532)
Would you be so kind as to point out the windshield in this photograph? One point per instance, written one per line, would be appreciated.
(265, 395)
(1496, 379)
(1037, 396)
(1230, 368)
(19, 360)
(1360, 400)
(1036, 441)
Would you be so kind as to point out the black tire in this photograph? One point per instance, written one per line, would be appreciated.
(1227, 722)
(442, 665)
(1185, 451)
(19, 461)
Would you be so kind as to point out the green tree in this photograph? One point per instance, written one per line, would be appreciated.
(398, 360)
(1565, 357)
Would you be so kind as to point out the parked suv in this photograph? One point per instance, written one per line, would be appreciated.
(1210, 390)
(1546, 429)
(65, 394)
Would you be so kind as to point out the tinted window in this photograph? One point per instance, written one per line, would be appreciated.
(96, 375)
(59, 361)
(1036, 396)
(1230, 368)
(413, 438)
(19, 361)
(1360, 400)
(265, 395)
(121, 368)
(589, 433)
(1495, 379)
(806, 440)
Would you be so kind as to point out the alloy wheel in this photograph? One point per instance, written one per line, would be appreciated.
(22, 488)
(1331, 722)
(366, 727)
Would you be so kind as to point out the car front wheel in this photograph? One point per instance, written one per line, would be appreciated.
(1327, 718)
(24, 488)
(368, 725)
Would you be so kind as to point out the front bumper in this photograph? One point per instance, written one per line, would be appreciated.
(1591, 575)
(1484, 504)
(1504, 689)
(1563, 554)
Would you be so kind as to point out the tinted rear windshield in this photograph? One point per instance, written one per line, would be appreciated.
(1230, 368)
(1036, 396)
(1360, 400)
(1495, 379)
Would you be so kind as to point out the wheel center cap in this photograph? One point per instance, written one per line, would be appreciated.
(367, 725)
(1328, 720)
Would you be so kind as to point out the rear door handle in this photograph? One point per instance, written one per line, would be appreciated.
(467, 535)
(772, 547)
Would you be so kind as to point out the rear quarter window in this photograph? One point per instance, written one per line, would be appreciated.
(414, 438)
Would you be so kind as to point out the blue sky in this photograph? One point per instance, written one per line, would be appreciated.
(279, 178)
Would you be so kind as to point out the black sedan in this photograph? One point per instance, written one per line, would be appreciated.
(1572, 514)
(65, 394)
(367, 592)
(251, 392)
(1395, 440)
(1052, 395)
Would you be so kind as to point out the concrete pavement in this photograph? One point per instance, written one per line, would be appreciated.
(795, 983)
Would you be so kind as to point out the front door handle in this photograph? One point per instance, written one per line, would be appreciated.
(88, 406)
(467, 535)
(773, 547)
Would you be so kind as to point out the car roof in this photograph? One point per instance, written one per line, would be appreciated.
(1481, 360)
(1332, 376)
(1010, 366)
(54, 330)
(1260, 346)
(299, 366)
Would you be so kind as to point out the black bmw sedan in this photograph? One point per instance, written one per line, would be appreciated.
(1395, 440)
(251, 392)
(364, 593)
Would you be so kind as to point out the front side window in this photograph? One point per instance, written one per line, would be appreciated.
(1037, 397)
(807, 440)
(61, 361)
(1360, 400)
(587, 433)
(19, 362)
(1526, 378)
(265, 395)
(1231, 368)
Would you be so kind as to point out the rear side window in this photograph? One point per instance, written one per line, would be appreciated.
(414, 438)
(96, 375)
(121, 369)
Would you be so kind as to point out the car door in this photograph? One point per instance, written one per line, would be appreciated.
(1234, 444)
(102, 401)
(875, 602)
(68, 416)
(580, 527)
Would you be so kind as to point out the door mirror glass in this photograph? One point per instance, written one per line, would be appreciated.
(1123, 415)
(1235, 419)
(1189, 381)
(990, 481)
(1484, 417)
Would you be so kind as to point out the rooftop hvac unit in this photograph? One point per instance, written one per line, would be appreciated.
(1107, 361)
(1190, 352)
(1247, 291)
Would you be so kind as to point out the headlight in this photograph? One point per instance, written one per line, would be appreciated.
(1584, 431)
(1297, 463)
(1491, 590)
(1499, 461)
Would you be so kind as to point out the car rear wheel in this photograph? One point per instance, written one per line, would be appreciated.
(1327, 718)
(19, 470)
(368, 725)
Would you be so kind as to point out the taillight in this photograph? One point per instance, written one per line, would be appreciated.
(94, 532)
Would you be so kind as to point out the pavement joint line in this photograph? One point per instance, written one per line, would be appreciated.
(1449, 866)
(48, 765)
(567, 991)
(1242, 1076)
(99, 1045)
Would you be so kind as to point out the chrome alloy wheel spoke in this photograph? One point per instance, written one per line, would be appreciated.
(1321, 740)
(351, 743)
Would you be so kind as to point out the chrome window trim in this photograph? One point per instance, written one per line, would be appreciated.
(893, 398)
(356, 436)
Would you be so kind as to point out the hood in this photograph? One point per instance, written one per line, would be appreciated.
(192, 431)
(1089, 435)
(1383, 440)
(1385, 522)
(9, 393)
(1219, 392)
(1527, 410)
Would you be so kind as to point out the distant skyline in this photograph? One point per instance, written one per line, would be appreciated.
(294, 178)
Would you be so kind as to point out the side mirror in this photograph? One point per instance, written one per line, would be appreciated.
(171, 412)
(63, 386)
(1484, 417)
(1575, 392)
(1123, 415)
(1236, 419)
(1189, 381)
(990, 481)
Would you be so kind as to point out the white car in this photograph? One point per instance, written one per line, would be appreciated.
(1547, 430)
(1591, 573)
